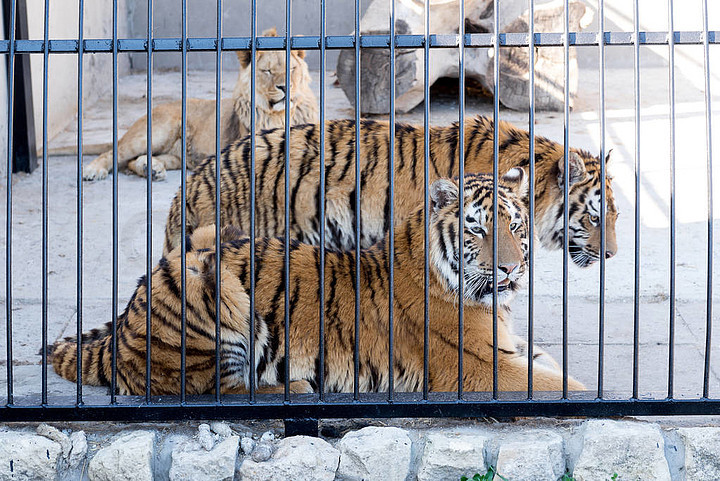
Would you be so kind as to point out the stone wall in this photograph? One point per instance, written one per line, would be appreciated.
(525, 450)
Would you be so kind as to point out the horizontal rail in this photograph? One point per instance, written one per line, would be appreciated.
(334, 42)
(403, 406)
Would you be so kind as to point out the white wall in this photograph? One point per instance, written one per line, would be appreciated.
(63, 68)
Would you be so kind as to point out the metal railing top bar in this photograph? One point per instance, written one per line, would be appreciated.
(335, 42)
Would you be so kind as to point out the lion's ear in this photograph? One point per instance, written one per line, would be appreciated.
(270, 32)
(299, 53)
(244, 57)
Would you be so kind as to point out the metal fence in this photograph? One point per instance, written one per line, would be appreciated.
(355, 404)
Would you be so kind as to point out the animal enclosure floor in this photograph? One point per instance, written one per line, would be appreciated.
(583, 284)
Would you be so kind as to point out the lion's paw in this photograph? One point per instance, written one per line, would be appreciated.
(93, 172)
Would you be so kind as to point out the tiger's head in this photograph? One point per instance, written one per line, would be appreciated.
(584, 179)
(478, 224)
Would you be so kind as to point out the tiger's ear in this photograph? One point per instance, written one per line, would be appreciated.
(576, 172)
(516, 180)
(443, 192)
(244, 57)
(609, 162)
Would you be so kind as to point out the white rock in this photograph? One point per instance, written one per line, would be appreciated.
(129, 457)
(221, 429)
(535, 456)
(247, 444)
(450, 455)
(79, 448)
(54, 434)
(375, 453)
(25, 456)
(262, 452)
(297, 458)
(190, 463)
(267, 437)
(205, 437)
(633, 451)
(702, 453)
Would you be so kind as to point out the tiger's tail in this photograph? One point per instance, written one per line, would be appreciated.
(96, 356)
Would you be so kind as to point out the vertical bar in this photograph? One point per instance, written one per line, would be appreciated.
(601, 313)
(183, 200)
(426, 202)
(708, 139)
(636, 288)
(46, 61)
(391, 213)
(461, 201)
(79, 180)
(566, 192)
(253, 74)
(115, 261)
(288, 36)
(321, 274)
(531, 226)
(358, 215)
(218, 188)
(148, 213)
(8, 206)
(671, 80)
(496, 131)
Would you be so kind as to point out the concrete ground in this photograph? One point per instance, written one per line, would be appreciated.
(583, 307)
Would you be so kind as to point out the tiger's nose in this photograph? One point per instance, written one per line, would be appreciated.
(508, 268)
(609, 254)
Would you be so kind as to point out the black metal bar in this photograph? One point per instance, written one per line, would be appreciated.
(148, 213)
(24, 151)
(496, 168)
(531, 180)
(566, 195)
(426, 204)
(391, 213)
(461, 200)
(286, 273)
(708, 139)
(79, 180)
(116, 223)
(358, 205)
(601, 313)
(45, 236)
(253, 75)
(337, 42)
(671, 80)
(636, 287)
(218, 189)
(321, 274)
(209, 410)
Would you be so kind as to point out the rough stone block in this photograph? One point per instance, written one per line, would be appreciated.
(375, 454)
(190, 461)
(702, 453)
(129, 457)
(300, 458)
(633, 451)
(450, 455)
(27, 457)
(536, 456)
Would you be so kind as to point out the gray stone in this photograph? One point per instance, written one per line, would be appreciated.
(298, 458)
(702, 453)
(129, 457)
(450, 455)
(54, 434)
(267, 437)
(205, 437)
(247, 444)
(79, 448)
(536, 456)
(632, 451)
(221, 429)
(375, 453)
(190, 461)
(262, 452)
(26, 456)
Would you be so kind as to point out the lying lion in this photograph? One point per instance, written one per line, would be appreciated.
(270, 91)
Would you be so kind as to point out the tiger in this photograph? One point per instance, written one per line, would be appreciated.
(584, 179)
(304, 366)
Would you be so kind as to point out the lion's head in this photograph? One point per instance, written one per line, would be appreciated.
(270, 79)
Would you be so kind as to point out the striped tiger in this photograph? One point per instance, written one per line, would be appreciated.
(339, 308)
(584, 180)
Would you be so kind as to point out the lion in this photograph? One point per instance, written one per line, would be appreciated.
(270, 91)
